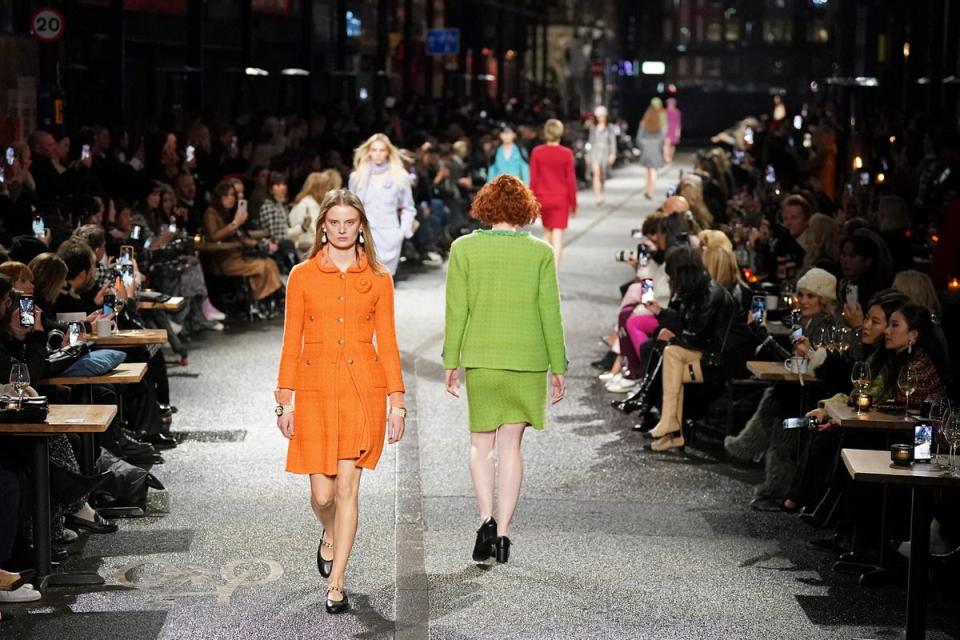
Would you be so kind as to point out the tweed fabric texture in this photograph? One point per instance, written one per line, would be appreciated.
(341, 381)
(496, 397)
(503, 304)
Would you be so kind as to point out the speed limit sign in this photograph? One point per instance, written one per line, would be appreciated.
(46, 24)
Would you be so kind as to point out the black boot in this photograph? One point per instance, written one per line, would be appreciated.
(636, 401)
(503, 549)
(606, 362)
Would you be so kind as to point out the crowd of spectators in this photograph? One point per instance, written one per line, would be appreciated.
(768, 249)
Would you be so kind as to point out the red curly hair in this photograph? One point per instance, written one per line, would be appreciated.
(506, 199)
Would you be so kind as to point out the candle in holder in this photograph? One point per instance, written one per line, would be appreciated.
(953, 285)
(863, 402)
(196, 239)
(901, 454)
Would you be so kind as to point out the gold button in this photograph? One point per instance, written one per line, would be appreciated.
(349, 361)
(342, 276)
(340, 319)
(339, 297)
(311, 318)
(308, 362)
(340, 341)
(368, 316)
(376, 358)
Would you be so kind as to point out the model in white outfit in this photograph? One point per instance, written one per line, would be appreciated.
(382, 184)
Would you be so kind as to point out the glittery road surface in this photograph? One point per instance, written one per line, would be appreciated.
(609, 541)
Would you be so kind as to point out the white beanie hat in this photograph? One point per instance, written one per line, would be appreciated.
(820, 282)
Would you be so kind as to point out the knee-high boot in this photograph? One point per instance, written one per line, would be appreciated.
(671, 407)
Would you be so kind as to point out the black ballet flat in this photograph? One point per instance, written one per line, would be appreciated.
(483, 548)
(337, 606)
(325, 566)
(503, 549)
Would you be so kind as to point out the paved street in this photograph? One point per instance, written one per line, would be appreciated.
(610, 541)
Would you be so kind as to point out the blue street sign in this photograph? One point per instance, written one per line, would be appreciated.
(443, 41)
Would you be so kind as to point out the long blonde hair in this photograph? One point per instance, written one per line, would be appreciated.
(318, 184)
(346, 198)
(361, 160)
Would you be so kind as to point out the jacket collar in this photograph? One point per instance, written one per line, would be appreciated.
(325, 264)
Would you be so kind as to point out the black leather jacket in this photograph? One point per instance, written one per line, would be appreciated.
(700, 318)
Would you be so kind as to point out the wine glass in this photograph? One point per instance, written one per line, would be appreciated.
(939, 415)
(907, 382)
(19, 378)
(860, 377)
(951, 433)
(820, 338)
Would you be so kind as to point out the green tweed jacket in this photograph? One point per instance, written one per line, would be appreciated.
(503, 304)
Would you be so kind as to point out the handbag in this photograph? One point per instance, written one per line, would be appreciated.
(59, 360)
(715, 359)
(26, 410)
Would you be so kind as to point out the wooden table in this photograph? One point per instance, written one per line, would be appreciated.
(125, 373)
(62, 418)
(775, 372)
(132, 338)
(847, 418)
(175, 303)
(875, 467)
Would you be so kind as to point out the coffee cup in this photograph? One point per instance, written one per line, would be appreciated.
(796, 365)
(105, 327)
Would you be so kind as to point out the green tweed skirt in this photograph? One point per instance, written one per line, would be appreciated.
(496, 397)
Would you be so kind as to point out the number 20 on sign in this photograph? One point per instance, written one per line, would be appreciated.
(47, 24)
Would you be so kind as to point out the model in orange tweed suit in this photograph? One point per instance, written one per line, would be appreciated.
(336, 302)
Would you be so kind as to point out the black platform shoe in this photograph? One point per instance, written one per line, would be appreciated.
(503, 549)
(638, 401)
(325, 566)
(337, 606)
(483, 548)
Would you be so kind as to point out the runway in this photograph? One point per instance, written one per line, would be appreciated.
(610, 541)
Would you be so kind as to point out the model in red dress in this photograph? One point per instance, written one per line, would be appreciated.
(553, 181)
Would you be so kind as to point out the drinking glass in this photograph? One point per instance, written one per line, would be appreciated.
(939, 414)
(952, 434)
(907, 382)
(860, 375)
(19, 378)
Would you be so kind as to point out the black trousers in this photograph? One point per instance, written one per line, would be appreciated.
(9, 500)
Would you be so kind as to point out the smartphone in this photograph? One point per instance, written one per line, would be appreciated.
(74, 331)
(126, 255)
(135, 232)
(85, 152)
(646, 290)
(172, 227)
(191, 152)
(771, 175)
(671, 191)
(852, 295)
(922, 441)
(795, 334)
(3, 178)
(643, 255)
(11, 155)
(738, 156)
(748, 135)
(241, 205)
(38, 227)
(28, 316)
(126, 275)
(109, 304)
(806, 422)
(795, 318)
(864, 178)
(758, 307)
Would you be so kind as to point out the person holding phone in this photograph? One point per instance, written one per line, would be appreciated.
(223, 222)
(503, 325)
(338, 301)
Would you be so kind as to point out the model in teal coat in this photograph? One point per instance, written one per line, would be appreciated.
(509, 159)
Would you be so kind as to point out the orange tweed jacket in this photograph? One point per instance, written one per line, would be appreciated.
(330, 315)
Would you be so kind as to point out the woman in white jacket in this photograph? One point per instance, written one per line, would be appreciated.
(306, 209)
